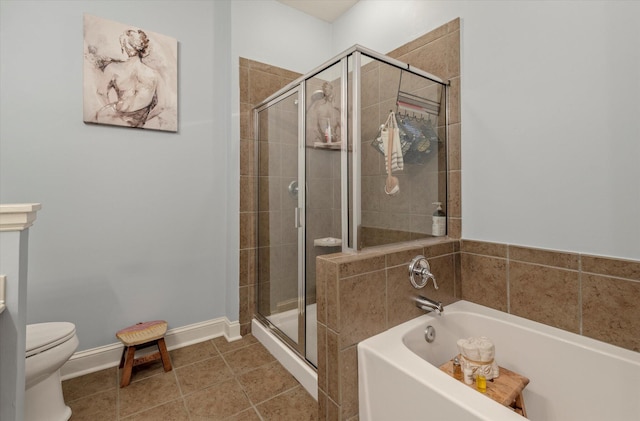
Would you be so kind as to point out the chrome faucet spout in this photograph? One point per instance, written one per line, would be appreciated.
(429, 305)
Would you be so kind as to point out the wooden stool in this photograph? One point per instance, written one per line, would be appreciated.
(139, 336)
(506, 389)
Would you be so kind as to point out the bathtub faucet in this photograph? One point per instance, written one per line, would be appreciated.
(428, 305)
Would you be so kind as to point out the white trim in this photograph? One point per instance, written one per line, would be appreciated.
(18, 217)
(96, 359)
(292, 362)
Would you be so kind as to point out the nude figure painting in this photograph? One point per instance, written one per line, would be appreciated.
(130, 76)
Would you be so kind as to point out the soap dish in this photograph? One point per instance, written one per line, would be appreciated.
(327, 242)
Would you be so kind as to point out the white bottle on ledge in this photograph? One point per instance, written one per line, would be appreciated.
(439, 225)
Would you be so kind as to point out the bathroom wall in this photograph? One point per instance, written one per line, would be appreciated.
(133, 225)
(550, 132)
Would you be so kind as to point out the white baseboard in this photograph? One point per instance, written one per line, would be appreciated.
(96, 359)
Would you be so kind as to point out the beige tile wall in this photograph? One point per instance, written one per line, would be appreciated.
(361, 295)
(257, 82)
(593, 296)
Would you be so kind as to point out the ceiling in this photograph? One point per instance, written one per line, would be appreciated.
(327, 10)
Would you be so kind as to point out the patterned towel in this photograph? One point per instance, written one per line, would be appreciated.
(397, 161)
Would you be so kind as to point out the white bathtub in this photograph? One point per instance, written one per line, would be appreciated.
(571, 377)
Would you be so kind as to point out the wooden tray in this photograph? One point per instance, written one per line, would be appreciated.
(506, 389)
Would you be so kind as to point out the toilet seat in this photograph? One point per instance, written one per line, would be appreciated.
(44, 336)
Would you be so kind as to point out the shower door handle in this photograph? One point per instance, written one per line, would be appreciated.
(296, 222)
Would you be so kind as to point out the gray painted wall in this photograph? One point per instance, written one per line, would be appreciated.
(133, 224)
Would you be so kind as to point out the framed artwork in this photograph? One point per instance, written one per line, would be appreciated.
(130, 76)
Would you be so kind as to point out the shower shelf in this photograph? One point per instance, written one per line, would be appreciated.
(331, 146)
(327, 242)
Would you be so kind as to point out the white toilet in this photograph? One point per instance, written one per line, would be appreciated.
(49, 346)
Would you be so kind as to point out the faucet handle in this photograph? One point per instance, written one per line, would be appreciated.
(420, 267)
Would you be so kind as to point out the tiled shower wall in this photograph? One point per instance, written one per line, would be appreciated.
(257, 82)
(437, 52)
(407, 214)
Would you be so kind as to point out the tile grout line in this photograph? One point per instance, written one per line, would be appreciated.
(253, 405)
(235, 376)
(118, 393)
(580, 294)
(174, 369)
(508, 264)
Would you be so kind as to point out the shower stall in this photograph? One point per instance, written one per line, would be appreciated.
(349, 156)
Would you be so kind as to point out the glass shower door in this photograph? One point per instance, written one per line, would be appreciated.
(280, 292)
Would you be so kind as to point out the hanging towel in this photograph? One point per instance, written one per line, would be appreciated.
(397, 162)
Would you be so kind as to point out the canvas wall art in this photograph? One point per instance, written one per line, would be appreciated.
(130, 76)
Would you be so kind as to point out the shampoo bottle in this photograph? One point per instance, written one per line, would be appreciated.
(439, 225)
(327, 132)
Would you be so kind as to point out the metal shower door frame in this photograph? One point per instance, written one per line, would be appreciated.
(299, 217)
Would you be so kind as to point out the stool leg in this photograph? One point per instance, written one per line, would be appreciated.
(166, 362)
(520, 404)
(128, 366)
(124, 353)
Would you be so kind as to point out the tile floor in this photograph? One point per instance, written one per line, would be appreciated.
(212, 380)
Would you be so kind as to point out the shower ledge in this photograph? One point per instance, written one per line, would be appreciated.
(331, 146)
(327, 242)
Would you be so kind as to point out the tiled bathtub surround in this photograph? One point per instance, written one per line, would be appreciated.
(361, 295)
(589, 295)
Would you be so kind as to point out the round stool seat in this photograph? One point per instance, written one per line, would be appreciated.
(141, 333)
(139, 336)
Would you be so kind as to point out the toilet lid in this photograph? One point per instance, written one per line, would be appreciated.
(44, 336)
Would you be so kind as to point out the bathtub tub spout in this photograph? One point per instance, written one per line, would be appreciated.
(428, 305)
